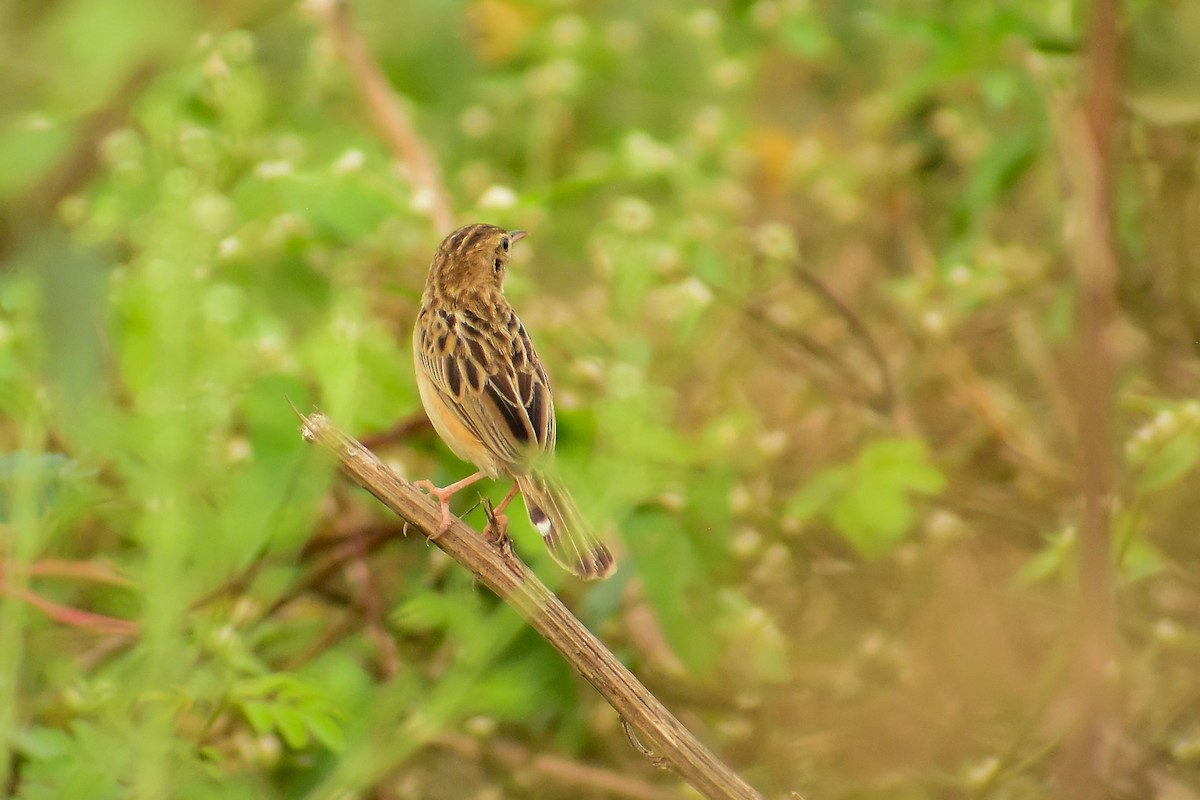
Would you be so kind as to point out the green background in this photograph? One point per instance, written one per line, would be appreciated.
(803, 275)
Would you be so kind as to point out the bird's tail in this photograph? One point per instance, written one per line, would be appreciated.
(569, 538)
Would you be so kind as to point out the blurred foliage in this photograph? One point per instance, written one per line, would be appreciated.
(801, 272)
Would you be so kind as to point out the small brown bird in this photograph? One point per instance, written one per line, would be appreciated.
(486, 392)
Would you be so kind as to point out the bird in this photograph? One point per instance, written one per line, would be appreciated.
(487, 394)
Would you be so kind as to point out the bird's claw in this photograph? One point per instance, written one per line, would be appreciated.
(496, 530)
(443, 498)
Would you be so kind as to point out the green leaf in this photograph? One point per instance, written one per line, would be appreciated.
(873, 515)
(805, 36)
(707, 513)
(818, 494)
(1170, 463)
(290, 705)
(326, 730)
(41, 743)
(762, 648)
(869, 501)
(1141, 560)
(259, 715)
(904, 462)
(506, 692)
(434, 611)
(1049, 561)
(290, 723)
(49, 475)
(343, 210)
(676, 586)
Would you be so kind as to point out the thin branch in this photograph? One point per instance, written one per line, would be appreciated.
(67, 615)
(356, 545)
(1097, 267)
(373, 613)
(410, 425)
(1093, 135)
(95, 571)
(74, 617)
(501, 571)
(881, 397)
(885, 398)
(514, 757)
(387, 111)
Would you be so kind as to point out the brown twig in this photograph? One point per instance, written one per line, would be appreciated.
(68, 615)
(563, 772)
(94, 571)
(880, 397)
(357, 545)
(1092, 133)
(373, 614)
(74, 616)
(414, 423)
(389, 114)
(885, 397)
(501, 571)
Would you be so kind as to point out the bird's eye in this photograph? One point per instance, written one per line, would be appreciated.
(497, 264)
(504, 244)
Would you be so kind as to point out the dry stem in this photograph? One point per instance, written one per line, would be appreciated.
(1096, 266)
(504, 573)
(513, 757)
(387, 111)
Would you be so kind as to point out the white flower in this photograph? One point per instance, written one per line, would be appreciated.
(697, 291)
(422, 200)
(498, 197)
(477, 121)
(633, 215)
(270, 170)
(705, 23)
(776, 241)
(622, 35)
(561, 76)
(230, 246)
(959, 275)
(349, 161)
(645, 155)
(730, 73)
(934, 322)
(568, 31)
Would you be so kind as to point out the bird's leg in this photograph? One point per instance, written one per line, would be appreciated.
(443, 495)
(497, 521)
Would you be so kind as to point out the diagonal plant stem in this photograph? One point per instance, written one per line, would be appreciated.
(501, 571)
(1094, 130)
(388, 112)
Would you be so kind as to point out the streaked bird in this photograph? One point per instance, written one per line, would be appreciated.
(486, 393)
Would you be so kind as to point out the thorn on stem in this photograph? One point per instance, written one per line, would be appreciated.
(496, 530)
(656, 761)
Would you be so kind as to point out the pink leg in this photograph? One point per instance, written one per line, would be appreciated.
(497, 521)
(508, 498)
(444, 494)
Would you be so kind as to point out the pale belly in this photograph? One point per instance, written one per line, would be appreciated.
(457, 436)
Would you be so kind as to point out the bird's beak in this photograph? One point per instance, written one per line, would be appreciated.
(516, 236)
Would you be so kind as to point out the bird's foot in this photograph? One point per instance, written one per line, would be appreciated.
(443, 495)
(496, 530)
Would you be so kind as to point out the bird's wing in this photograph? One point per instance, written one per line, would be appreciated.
(485, 369)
